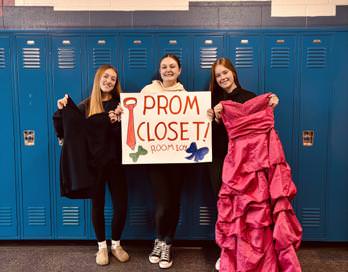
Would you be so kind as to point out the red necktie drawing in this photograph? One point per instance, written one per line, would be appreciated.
(130, 103)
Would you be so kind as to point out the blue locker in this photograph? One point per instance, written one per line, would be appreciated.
(67, 78)
(281, 79)
(32, 87)
(244, 51)
(8, 198)
(140, 215)
(207, 49)
(101, 50)
(138, 66)
(313, 132)
(337, 227)
(182, 47)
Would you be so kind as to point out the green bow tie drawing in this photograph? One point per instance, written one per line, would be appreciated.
(135, 156)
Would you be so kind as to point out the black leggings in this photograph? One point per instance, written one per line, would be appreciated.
(215, 174)
(167, 183)
(114, 176)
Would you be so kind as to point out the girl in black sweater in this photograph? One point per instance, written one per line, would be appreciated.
(224, 85)
(105, 97)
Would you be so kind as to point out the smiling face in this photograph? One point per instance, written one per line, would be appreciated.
(225, 78)
(169, 71)
(108, 81)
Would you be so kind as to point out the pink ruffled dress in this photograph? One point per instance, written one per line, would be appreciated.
(257, 228)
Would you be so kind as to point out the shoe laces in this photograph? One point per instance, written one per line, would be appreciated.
(165, 254)
(157, 248)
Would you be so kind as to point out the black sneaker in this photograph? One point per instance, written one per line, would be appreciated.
(155, 255)
(166, 259)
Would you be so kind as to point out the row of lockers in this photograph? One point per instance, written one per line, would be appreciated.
(305, 69)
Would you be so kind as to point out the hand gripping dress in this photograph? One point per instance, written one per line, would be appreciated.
(256, 228)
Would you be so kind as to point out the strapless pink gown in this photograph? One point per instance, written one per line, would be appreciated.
(257, 228)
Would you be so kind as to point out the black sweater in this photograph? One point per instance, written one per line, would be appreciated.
(220, 138)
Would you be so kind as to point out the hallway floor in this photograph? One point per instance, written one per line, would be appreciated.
(78, 256)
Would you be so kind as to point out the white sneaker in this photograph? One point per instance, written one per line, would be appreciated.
(217, 265)
(155, 255)
(166, 259)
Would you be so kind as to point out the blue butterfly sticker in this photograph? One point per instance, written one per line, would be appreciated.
(196, 154)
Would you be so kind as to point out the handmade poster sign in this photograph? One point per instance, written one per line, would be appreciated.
(170, 128)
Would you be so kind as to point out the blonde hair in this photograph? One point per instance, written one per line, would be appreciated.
(95, 103)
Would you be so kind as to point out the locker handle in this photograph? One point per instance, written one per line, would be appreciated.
(280, 41)
(29, 137)
(101, 42)
(30, 42)
(244, 41)
(208, 42)
(137, 42)
(307, 138)
(66, 42)
(317, 41)
(172, 42)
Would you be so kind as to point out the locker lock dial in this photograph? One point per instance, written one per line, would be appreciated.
(29, 137)
(307, 137)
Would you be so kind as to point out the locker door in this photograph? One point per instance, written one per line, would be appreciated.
(101, 50)
(181, 47)
(8, 199)
(32, 96)
(280, 78)
(338, 144)
(314, 95)
(67, 79)
(207, 49)
(244, 52)
(138, 66)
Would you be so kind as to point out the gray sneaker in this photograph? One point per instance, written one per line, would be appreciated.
(166, 259)
(155, 255)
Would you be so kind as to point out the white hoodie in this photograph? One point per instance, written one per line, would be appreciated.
(157, 86)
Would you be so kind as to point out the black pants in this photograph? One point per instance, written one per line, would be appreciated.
(167, 181)
(215, 174)
(113, 174)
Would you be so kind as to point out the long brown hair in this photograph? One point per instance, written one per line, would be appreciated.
(213, 85)
(95, 103)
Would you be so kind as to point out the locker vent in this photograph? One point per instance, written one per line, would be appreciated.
(311, 217)
(205, 216)
(101, 56)
(5, 216)
(208, 56)
(31, 58)
(244, 57)
(2, 58)
(36, 216)
(108, 215)
(175, 51)
(181, 215)
(137, 58)
(138, 216)
(316, 57)
(66, 58)
(71, 215)
(280, 57)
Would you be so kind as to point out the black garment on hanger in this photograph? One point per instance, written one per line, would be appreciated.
(84, 150)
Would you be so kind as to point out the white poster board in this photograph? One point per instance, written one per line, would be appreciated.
(166, 128)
